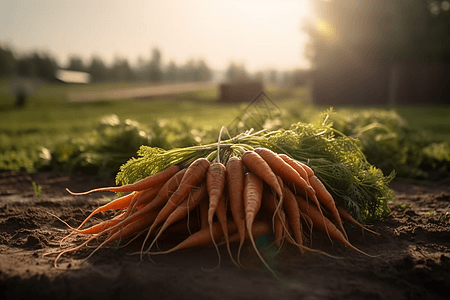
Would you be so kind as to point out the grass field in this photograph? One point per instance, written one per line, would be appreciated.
(49, 118)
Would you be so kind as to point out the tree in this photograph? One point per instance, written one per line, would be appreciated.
(121, 70)
(155, 70)
(40, 65)
(172, 72)
(204, 73)
(273, 76)
(25, 67)
(236, 72)
(98, 69)
(76, 64)
(7, 62)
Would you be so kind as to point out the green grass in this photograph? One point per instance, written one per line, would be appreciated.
(433, 119)
(49, 118)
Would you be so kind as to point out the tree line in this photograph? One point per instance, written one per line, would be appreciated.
(43, 65)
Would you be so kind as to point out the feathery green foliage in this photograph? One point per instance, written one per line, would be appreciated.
(335, 158)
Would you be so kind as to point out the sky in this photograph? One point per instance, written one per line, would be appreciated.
(260, 34)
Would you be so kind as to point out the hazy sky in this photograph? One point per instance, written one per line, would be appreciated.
(261, 34)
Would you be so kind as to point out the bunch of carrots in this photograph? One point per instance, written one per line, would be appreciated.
(209, 202)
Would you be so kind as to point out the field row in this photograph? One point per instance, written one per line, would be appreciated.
(52, 133)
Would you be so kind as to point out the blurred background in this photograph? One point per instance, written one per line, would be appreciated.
(153, 41)
(63, 62)
(377, 52)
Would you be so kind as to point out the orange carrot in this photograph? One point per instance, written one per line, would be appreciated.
(296, 165)
(188, 204)
(235, 183)
(349, 218)
(171, 185)
(167, 189)
(286, 172)
(201, 238)
(100, 227)
(131, 216)
(221, 214)
(193, 176)
(324, 224)
(95, 229)
(253, 190)
(142, 184)
(160, 199)
(259, 228)
(258, 166)
(131, 228)
(270, 202)
(215, 183)
(134, 227)
(203, 214)
(293, 214)
(327, 201)
(118, 203)
(142, 197)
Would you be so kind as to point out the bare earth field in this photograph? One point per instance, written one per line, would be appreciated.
(412, 254)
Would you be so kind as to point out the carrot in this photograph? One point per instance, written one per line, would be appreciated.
(286, 172)
(280, 224)
(270, 202)
(259, 228)
(127, 230)
(188, 204)
(131, 228)
(142, 184)
(97, 228)
(327, 201)
(203, 214)
(296, 165)
(167, 190)
(159, 200)
(169, 187)
(142, 197)
(201, 238)
(349, 218)
(221, 214)
(193, 176)
(235, 183)
(253, 190)
(215, 183)
(257, 165)
(293, 214)
(324, 224)
(118, 203)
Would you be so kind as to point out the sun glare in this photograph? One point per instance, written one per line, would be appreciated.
(326, 29)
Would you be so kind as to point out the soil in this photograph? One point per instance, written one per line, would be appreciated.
(411, 254)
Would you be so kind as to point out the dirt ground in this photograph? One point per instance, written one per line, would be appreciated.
(412, 253)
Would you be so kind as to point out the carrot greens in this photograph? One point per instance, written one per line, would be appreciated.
(310, 170)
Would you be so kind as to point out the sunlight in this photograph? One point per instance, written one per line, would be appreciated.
(262, 34)
(326, 29)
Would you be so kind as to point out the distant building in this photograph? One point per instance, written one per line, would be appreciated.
(69, 76)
